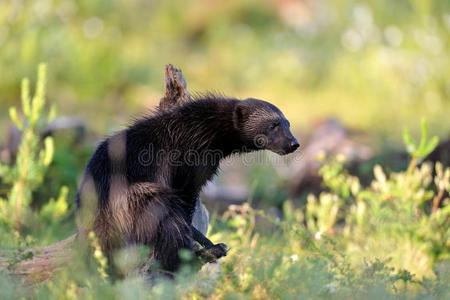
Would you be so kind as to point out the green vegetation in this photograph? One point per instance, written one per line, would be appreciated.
(380, 66)
(31, 163)
(390, 239)
(373, 64)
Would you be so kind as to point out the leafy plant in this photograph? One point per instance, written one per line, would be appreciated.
(33, 159)
(407, 210)
(419, 150)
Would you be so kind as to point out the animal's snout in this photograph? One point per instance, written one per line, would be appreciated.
(294, 145)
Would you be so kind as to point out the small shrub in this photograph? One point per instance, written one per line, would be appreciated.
(33, 159)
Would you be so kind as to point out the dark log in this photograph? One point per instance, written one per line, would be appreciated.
(37, 265)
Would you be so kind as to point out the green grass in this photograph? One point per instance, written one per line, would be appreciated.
(385, 240)
(380, 66)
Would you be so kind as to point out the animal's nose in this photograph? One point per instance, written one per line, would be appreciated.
(294, 145)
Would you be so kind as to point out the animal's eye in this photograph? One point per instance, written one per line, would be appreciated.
(274, 125)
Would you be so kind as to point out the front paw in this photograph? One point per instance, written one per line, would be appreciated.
(213, 253)
(219, 250)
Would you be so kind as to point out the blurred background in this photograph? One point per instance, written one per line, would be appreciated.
(374, 66)
(377, 65)
(350, 76)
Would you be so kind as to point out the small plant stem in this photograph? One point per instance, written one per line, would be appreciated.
(412, 165)
(437, 200)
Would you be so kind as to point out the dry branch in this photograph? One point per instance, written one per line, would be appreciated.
(42, 262)
(176, 88)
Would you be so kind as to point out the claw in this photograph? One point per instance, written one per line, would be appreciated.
(213, 253)
(223, 247)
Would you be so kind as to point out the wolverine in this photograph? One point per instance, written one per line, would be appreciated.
(141, 185)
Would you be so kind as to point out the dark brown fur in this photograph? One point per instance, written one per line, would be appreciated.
(126, 199)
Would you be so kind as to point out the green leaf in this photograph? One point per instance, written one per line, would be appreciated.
(409, 142)
(48, 151)
(425, 147)
(39, 99)
(26, 97)
(431, 145)
(55, 210)
(15, 117)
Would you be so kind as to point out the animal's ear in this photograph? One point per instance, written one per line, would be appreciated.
(240, 115)
(176, 89)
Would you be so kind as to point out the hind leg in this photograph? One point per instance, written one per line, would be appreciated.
(166, 232)
(160, 223)
(174, 235)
